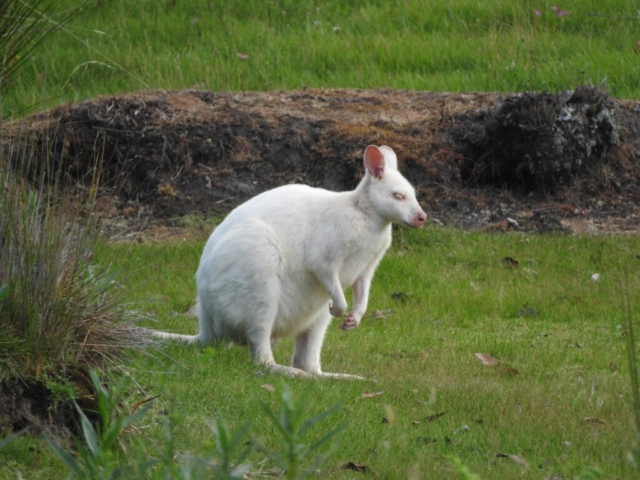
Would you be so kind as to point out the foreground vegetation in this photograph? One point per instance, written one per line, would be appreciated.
(463, 45)
(59, 311)
(559, 399)
(60, 314)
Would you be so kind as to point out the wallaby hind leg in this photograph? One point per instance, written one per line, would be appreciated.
(261, 354)
(260, 318)
(308, 344)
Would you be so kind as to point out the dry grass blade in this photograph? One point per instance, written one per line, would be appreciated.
(24, 24)
(137, 405)
(514, 458)
(372, 394)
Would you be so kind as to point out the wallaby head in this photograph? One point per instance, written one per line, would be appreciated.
(390, 194)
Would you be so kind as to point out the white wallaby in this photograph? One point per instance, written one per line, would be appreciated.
(278, 264)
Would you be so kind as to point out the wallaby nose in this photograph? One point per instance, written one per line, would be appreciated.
(419, 219)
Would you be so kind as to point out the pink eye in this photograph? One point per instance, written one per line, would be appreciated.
(398, 196)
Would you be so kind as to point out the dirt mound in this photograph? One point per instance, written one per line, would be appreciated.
(474, 158)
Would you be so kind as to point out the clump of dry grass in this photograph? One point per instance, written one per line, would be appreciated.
(57, 309)
(60, 314)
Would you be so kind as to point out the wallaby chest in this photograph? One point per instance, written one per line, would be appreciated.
(363, 255)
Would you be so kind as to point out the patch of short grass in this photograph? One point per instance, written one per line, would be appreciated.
(559, 399)
(464, 45)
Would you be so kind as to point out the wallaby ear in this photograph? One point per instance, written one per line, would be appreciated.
(374, 162)
(391, 160)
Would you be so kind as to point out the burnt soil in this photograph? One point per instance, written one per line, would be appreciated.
(552, 162)
(30, 405)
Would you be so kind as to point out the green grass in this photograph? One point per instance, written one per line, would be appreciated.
(546, 319)
(562, 332)
(115, 46)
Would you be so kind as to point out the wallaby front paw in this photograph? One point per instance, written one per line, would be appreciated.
(350, 322)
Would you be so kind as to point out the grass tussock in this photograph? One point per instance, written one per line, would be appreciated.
(58, 309)
(60, 315)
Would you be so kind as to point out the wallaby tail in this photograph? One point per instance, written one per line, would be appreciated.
(190, 339)
(204, 337)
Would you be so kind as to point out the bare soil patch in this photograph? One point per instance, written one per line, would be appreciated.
(31, 404)
(565, 162)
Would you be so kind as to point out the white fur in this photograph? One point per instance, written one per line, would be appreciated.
(278, 264)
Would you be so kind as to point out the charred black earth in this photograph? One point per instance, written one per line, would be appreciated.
(553, 162)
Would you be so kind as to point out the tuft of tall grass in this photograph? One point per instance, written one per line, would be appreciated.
(24, 25)
(57, 309)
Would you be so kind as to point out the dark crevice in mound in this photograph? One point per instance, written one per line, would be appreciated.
(537, 141)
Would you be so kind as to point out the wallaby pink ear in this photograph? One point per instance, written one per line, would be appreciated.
(390, 158)
(374, 162)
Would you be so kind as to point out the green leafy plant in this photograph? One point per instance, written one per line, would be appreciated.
(96, 455)
(299, 459)
(97, 446)
(464, 471)
(222, 462)
(228, 466)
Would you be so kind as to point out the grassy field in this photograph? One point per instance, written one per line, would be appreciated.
(114, 46)
(559, 399)
(558, 402)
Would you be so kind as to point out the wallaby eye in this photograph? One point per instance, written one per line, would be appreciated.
(398, 196)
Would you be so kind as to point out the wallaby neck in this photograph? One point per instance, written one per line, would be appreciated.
(362, 203)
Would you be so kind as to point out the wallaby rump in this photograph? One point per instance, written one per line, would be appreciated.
(279, 263)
